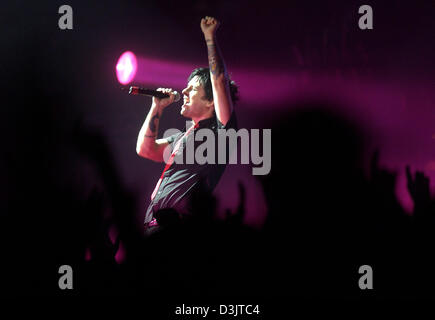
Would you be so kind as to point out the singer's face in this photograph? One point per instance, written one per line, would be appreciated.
(195, 105)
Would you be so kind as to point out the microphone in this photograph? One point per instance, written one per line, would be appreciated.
(133, 90)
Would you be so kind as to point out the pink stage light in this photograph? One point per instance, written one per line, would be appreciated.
(126, 67)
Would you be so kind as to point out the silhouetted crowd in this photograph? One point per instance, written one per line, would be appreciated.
(325, 219)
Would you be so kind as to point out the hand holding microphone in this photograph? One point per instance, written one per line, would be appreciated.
(162, 97)
(168, 96)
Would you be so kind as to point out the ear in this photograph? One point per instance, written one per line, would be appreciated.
(210, 104)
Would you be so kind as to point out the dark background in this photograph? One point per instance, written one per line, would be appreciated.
(73, 187)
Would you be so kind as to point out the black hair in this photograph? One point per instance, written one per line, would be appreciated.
(205, 80)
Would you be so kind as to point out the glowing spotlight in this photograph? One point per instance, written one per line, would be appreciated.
(126, 67)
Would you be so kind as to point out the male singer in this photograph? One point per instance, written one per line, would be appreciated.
(208, 101)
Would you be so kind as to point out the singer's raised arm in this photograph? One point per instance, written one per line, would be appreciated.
(219, 78)
(148, 146)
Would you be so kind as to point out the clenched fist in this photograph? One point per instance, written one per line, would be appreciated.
(209, 26)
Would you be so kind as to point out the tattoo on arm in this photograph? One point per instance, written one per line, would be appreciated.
(153, 122)
(214, 59)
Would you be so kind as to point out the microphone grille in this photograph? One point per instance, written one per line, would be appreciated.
(177, 96)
